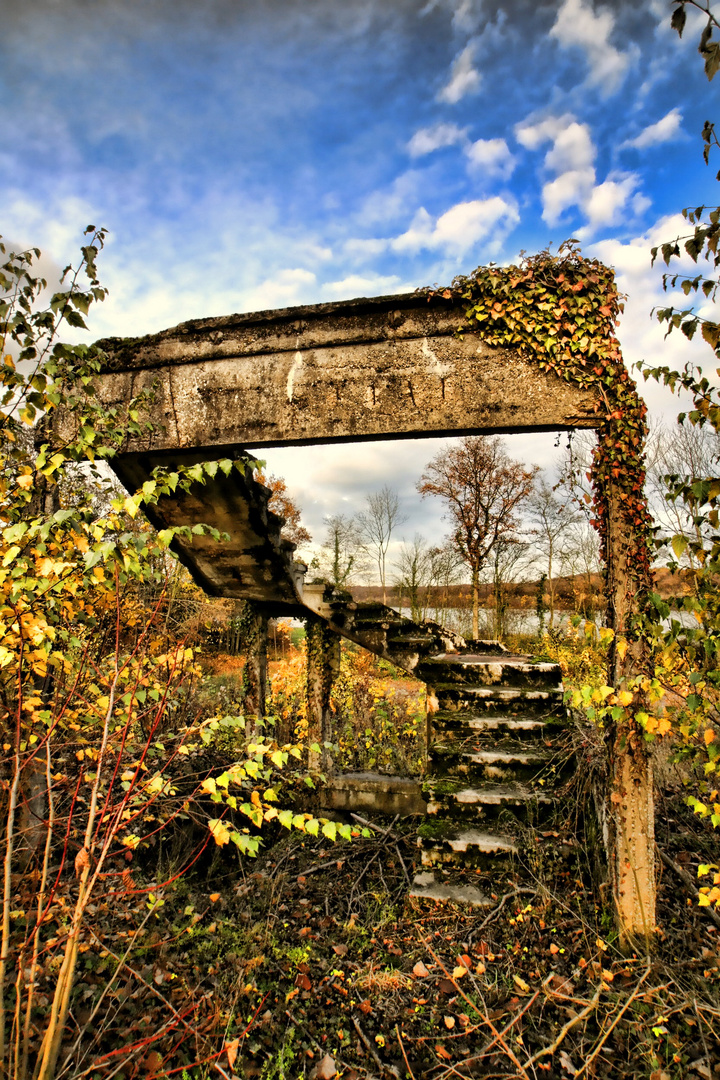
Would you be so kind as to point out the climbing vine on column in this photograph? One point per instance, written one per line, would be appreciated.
(560, 311)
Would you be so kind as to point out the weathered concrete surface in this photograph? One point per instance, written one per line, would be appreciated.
(360, 369)
(373, 792)
(255, 563)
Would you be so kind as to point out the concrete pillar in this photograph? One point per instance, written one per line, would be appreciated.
(323, 667)
(255, 637)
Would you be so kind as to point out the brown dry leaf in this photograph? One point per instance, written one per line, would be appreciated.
(340, 950)
(567, 1064)
(153, 1062)
(465, 961)
(231, 1049)
(326, 1069)
(442, 1052)
(302, 981)
(420, 971)
(365, 1007)
(449, 1022)
(445, 986)
(81, 860)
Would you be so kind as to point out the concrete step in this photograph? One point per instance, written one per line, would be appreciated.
(429, 886)
(452, 727)
(454, 799)
(487, 764)
(502, 670)
(446, 843)
(497, 701)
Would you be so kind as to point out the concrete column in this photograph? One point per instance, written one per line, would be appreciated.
(255, 636)
(323, 667)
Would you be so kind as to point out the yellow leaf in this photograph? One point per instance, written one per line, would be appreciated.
(255, 799)
(521, 984)
(459, 971)
(709, 736)
(621, 647)
(624, 697)
(25, 481)
(220, 832)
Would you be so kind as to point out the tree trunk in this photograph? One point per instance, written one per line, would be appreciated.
(323, 667)
(475, 604)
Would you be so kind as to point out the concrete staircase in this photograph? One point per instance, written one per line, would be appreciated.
(493, 722)
(493, 718)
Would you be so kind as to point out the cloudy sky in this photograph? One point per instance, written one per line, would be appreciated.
(250, 154)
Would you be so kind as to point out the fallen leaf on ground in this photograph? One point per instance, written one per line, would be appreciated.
(325, 1069)
(449, 1022)
(459, 971)
(420, 971)
(231, 1049)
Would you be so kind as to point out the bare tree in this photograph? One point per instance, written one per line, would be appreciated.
(675, 454)
(483, 489)
(446, 570)
(341, 556)
(414, 575)
(550, 513)
(377, 524)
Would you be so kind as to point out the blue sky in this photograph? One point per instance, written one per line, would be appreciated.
(247, 155)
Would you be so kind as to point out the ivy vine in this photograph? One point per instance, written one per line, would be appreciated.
(560, 311)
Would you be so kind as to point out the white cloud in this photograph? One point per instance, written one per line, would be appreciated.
(436, 137)
(532, 136)
(669, 127)
(460, 227)
(284, 289)
(464, 77)
(577, 25)
(572, 188)
(641, 336)
(491, 157)
(607, 200)
(573, 149)
(359, 285)
(572, 158)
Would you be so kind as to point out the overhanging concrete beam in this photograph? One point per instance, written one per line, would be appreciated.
(388, 367)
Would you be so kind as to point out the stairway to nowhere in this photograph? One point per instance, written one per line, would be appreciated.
(493, 718)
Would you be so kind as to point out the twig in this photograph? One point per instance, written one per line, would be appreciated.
(498, 1035)
(496, 910)
(373, 1052)
(688, 882)
(308, 1035)
(376, 828)
(601, 1042)
(402, 863)
(402, 1047)
(564, 1030)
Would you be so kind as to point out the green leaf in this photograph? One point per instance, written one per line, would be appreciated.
(329, 829)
